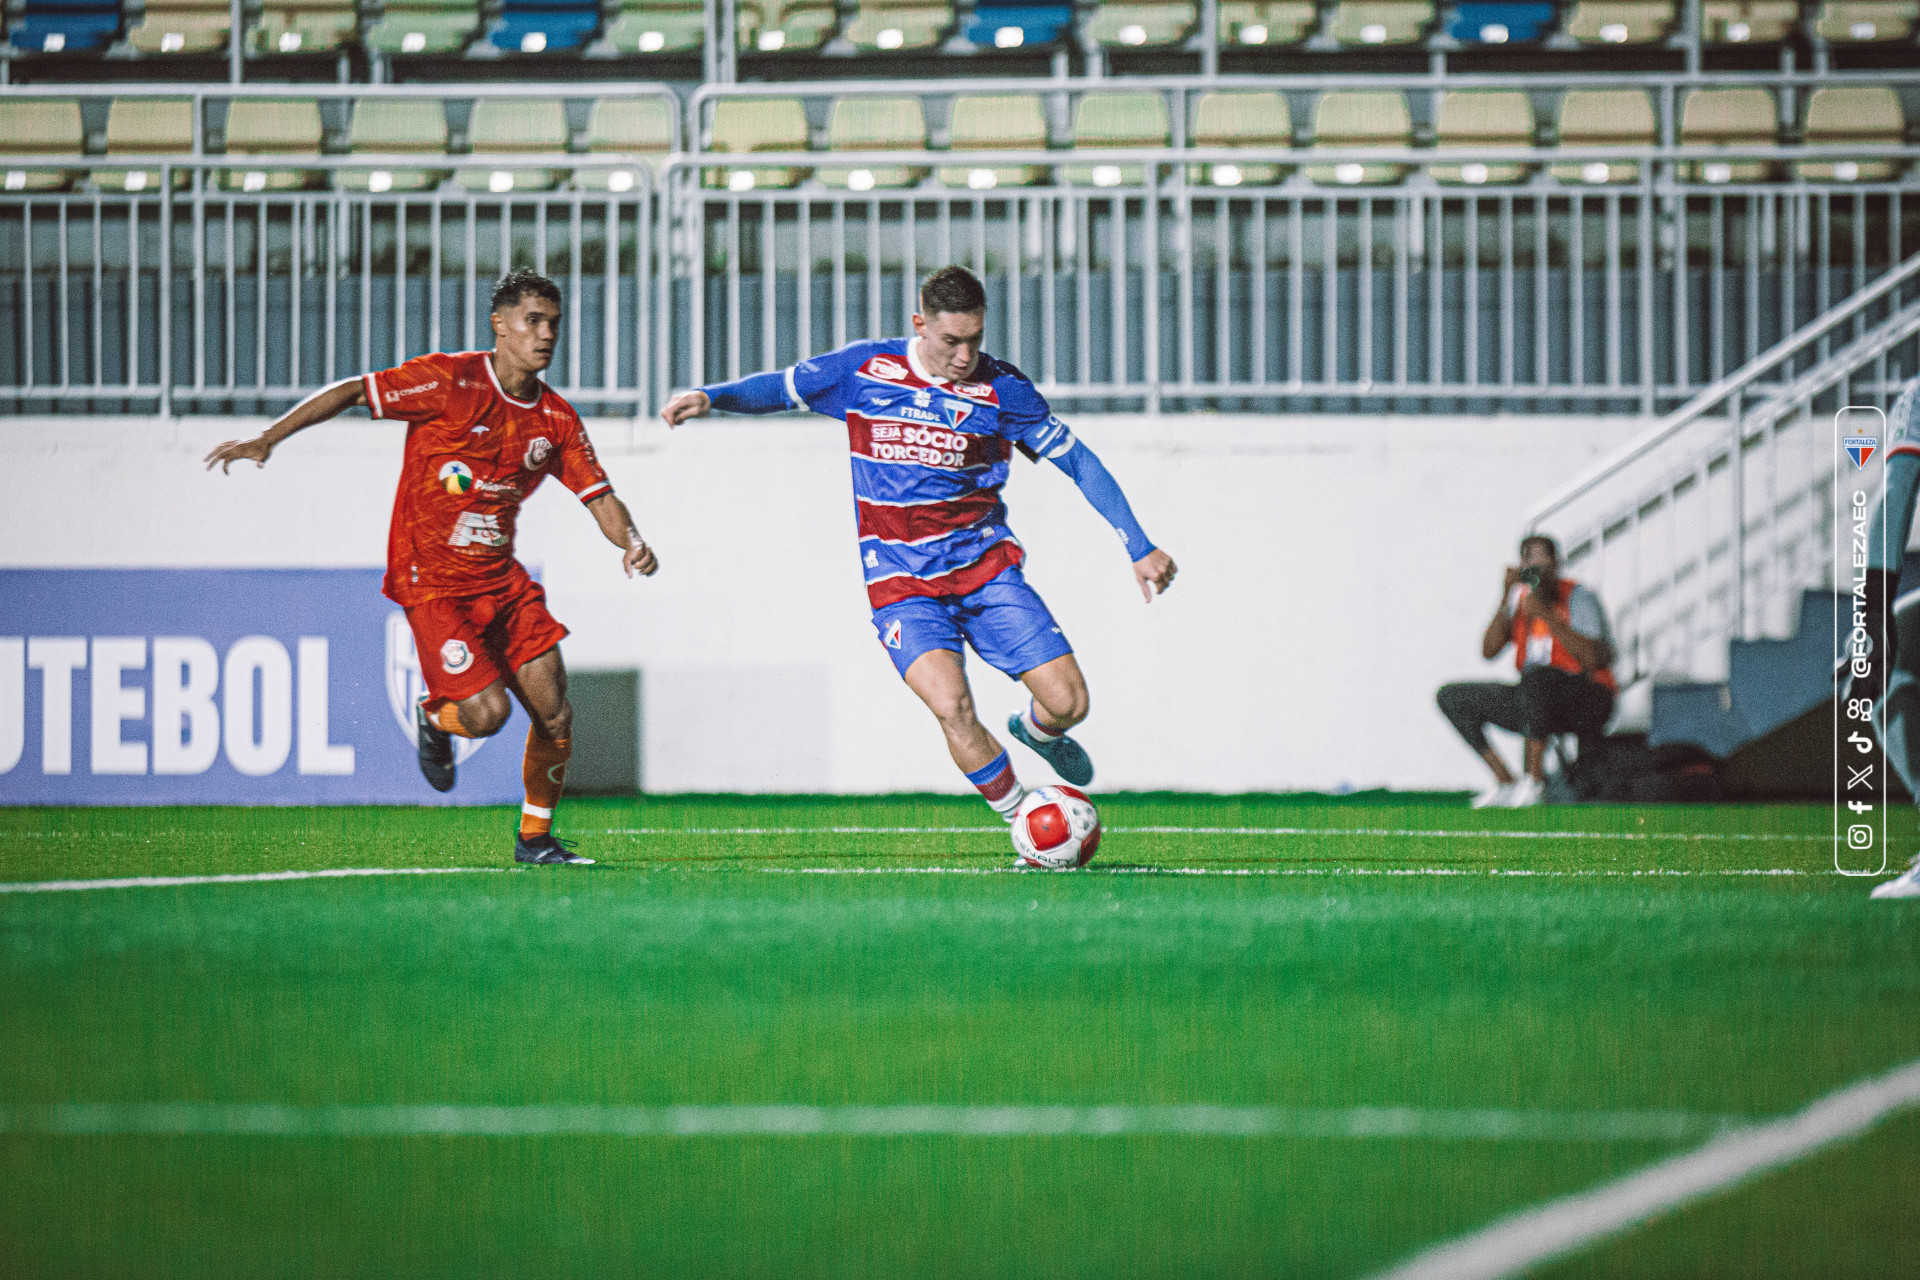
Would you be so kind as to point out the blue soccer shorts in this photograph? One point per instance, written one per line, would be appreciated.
(1005, 621)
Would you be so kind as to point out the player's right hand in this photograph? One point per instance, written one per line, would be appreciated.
(256, 449)
(691, 404)
(1511, 581)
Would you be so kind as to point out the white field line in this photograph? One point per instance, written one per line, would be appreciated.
(1526, 1239)
(1223, 831)
(1266, 871)
(168, 882)
(274, 1120)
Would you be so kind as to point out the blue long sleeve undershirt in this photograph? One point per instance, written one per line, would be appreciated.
(755, 393)
(1102, 492)
(768, 393)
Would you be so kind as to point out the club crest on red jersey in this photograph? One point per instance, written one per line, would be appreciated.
(455, 656)
(538, 451)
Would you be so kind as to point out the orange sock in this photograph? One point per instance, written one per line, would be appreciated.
(444, 713)
(544, 771)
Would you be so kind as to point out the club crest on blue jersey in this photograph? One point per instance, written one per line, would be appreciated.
(1860, 448)
(956, 411)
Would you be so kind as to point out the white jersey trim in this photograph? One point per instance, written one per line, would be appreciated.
(524, 404)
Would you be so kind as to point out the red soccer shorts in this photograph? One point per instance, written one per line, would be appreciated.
(466, 643)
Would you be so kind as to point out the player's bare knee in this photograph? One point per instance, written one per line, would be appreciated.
(1064, 708)
(484, 714)
(558, 725)
(955, 712)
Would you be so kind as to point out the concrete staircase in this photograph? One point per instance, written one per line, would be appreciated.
(1769, 683)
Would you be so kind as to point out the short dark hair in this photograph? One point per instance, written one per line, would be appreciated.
(516, 285)
(952, 291)
(1543, 540)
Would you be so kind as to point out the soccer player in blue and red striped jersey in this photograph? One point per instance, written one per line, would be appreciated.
(934, 422)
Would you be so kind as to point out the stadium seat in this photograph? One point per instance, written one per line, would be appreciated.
(1381, 21)
(757, 124)
(408, 126)
(64, 26)
(658, 26)
(1748, 21)
(1470, 119)
(1605, 118)
(1838, 115)
(1862, 22)
(1281, 22)
(789, 25)
(39, 127)
(1118, 120)
(544, 26)
(997, 26)
(424, 26)
(643, 125)
(1241, 120)
(1143, 25)
(1621, 21)
(146, 127)
(1727, 117)
(182, 26)
(1345, 119)
(996, 122)
(303, 26)
(899, 24)
(267, 126)
(515, 124)
(875, 124)
(1501, 23)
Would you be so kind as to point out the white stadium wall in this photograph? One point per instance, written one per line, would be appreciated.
(1333, 572)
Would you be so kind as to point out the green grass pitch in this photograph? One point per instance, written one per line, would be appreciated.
(1689, 967)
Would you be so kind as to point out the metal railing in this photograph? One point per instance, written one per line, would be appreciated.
(1152, 293)
(1708, 525)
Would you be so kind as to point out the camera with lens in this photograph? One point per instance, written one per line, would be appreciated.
(1533, 575)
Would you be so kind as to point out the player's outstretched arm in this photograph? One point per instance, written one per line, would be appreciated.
(1153, 569)
(316, 408)
(617, 523)
(755, 393)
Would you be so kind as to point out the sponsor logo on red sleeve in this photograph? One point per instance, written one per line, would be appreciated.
(886, 369)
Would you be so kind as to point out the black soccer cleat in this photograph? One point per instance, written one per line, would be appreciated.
(1068, 758)
(434, 746)
(547, 849)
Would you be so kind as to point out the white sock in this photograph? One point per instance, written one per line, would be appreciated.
(1006, 806)
(1040, 732)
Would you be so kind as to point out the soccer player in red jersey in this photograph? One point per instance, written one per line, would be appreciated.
(482, 432)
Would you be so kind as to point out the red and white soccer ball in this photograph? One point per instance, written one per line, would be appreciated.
(1056, 828)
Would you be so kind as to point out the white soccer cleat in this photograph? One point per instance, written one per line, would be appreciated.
(1525, 793)
(1494, 797)
(1905, 886)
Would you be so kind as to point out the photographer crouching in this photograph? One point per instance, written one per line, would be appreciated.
(1562, 648)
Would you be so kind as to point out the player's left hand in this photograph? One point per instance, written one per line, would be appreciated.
(639, 559)
(256, 450)
(1531, 605)
(1154, 572)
